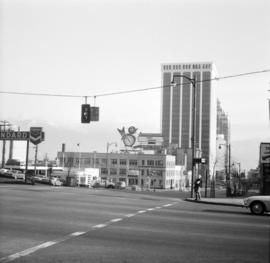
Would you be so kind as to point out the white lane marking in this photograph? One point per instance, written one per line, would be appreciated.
(75, 234)
(116, 220)
(167, 205)
(99, 226)
(27, 251)
(130, 215)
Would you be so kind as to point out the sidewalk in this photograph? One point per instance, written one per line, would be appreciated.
(219, 201)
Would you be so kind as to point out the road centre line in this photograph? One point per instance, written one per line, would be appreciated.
(141, 211)
(130, 215)
(74, 234)
(99, 226)
(116, 220)
(27, 251)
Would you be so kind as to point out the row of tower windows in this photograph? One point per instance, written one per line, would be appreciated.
(187, 66)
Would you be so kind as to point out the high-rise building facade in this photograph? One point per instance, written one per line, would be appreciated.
(223, 124)
(223, 141)
(176, 108)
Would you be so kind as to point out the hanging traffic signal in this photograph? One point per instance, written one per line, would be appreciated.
(86, 113)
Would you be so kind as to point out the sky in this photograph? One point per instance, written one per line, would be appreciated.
(89, 48)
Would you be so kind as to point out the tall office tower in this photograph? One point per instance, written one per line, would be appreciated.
(223, 125)
(223, 131)
(176, 108)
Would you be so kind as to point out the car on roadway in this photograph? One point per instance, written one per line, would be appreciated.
(258, 204)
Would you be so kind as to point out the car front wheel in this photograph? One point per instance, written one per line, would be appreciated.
(257, 208)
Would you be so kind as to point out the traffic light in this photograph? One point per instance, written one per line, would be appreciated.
(86, 113)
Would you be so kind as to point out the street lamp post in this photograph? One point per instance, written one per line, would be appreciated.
(237, 179)
(107, 155)
(193, 82)
(5, 123)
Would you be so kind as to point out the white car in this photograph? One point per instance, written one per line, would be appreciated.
(55, 181)
(18, 175)
(258, 205)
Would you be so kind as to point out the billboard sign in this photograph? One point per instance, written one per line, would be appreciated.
(16, 136)
(36, 135)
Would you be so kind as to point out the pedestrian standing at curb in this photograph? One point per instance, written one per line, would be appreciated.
(197, 187)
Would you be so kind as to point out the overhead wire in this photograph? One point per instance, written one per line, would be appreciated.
(129, 91)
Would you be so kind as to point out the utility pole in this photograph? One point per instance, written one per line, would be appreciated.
(36, 151)
(6, 123)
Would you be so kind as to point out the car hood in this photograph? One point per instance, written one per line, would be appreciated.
(259, 197)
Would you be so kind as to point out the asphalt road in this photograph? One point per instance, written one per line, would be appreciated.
(48, 224)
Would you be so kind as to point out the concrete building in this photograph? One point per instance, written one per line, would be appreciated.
(144, 170)
(176, 115)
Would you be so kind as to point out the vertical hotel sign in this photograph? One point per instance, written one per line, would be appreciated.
(265, 168)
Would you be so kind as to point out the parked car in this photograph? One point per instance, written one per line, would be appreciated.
(3, 171)
(29, 179)
(136, 188)
(55, 181)
(110, 185)
(120, 185)
(6, 172)
(39, 178)
(258, 205)
(98, 185)
(18, 175)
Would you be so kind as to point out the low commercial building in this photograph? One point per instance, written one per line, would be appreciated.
(133, 168)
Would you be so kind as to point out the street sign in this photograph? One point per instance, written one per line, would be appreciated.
(199, 160)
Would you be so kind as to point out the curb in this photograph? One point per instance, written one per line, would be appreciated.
(214, 203)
